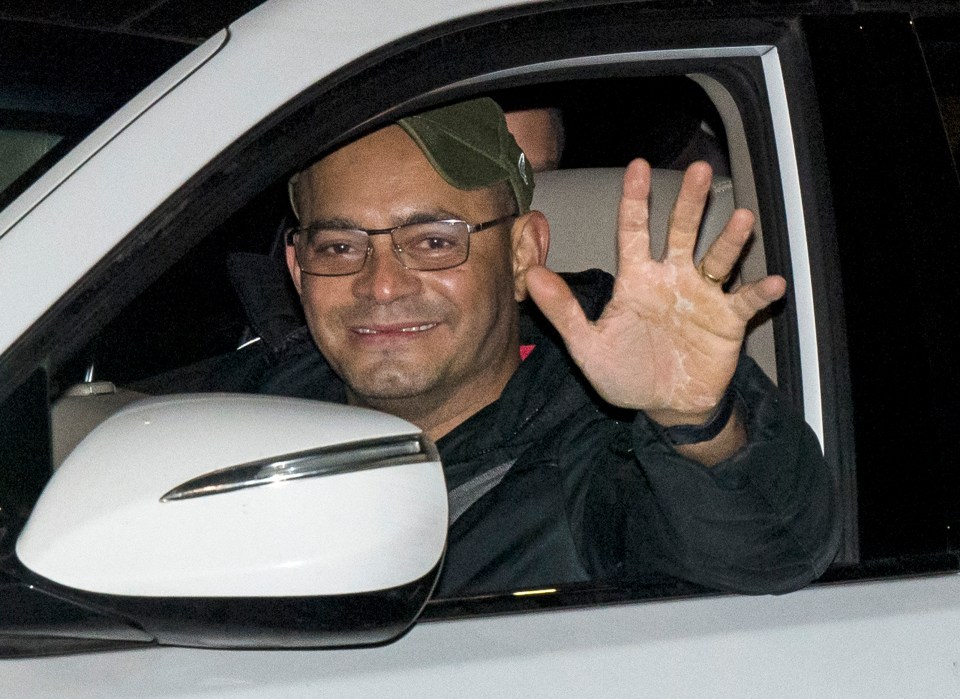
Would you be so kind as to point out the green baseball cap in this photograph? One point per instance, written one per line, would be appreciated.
(469, 145)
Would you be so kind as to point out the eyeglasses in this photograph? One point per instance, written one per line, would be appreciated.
(428, 246)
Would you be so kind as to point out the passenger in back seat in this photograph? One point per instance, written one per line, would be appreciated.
(539, 133)
(619, 435)
(671, 116)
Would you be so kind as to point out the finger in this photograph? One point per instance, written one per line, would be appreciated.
(554, 298)
(752, 298)
(688, 211)
(633, 220)
(725, 251)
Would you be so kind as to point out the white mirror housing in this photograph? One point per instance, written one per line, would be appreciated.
(223, 502)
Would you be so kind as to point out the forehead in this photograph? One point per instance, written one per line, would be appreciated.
(379, 179)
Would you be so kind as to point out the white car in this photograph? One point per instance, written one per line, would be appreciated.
(119, 578)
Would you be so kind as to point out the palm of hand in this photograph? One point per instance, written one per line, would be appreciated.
(668, 341)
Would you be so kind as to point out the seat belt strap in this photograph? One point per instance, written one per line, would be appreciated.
(466, 494)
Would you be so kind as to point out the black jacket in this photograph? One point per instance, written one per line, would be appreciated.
(550, 485)
(590, 493)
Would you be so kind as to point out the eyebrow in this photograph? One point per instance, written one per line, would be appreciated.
(421, 216)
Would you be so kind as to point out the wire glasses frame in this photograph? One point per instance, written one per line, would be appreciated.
(426, 246)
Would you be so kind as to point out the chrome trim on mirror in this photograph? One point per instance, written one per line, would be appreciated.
(325, 461)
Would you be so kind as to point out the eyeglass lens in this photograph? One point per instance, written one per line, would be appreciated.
(421, 246)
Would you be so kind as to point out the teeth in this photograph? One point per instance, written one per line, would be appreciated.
(411, 329)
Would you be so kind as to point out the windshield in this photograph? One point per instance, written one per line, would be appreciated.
(51, 99)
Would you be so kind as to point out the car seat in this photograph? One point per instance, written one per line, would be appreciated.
(581, 206)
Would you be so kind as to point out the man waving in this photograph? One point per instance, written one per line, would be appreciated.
(627, 437)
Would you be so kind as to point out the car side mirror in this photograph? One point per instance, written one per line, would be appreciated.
(229, 521)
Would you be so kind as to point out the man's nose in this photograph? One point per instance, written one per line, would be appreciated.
(384, 278)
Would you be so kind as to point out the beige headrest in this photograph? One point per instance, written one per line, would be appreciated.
(581, 206)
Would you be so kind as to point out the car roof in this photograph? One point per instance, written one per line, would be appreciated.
(188, 21)
(193, 21)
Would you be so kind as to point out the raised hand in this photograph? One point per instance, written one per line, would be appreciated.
(668, 341)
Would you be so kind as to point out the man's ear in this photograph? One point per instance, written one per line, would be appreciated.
(293, 267)
(530, 237)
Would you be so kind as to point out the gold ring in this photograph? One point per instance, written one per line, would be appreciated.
(709, 277)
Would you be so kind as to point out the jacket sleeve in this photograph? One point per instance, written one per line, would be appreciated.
(763, 521)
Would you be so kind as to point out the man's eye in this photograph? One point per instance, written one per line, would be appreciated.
(334, 249)
(437, 243)
(335, 244)
(434, 242)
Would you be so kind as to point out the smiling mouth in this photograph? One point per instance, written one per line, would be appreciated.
(395, 329)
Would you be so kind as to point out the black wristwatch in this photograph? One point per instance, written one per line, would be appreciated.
(678, 435)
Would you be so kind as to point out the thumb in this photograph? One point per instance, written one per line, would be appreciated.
(554, 298)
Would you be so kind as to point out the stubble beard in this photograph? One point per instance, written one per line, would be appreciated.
(385, 378)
